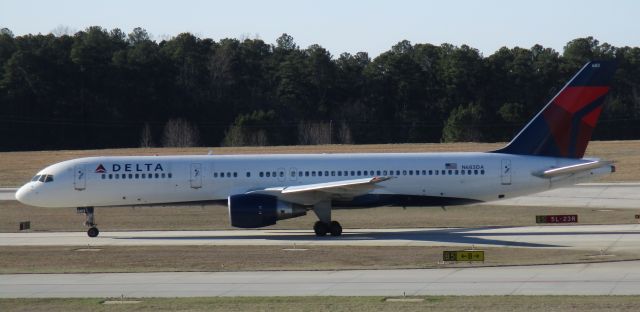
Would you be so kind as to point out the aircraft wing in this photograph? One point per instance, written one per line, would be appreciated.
(308, 194)
(554, 172)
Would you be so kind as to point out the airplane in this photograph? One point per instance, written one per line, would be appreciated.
(260, 190)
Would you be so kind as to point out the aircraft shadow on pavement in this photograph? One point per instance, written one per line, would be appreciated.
(470, 236)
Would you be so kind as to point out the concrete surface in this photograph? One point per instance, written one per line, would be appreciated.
(616, 278)
(609, 238)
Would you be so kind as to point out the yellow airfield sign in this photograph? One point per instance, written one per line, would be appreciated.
(463, 255)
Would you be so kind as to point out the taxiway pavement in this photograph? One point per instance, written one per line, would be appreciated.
(607, 238)
(614, 278)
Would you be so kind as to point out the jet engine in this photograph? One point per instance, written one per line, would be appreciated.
(258, 210)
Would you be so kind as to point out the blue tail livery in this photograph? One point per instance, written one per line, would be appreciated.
(564, 126)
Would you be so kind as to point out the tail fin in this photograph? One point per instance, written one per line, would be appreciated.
(563, 128)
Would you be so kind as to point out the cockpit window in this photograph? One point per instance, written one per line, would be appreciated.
(43, 178)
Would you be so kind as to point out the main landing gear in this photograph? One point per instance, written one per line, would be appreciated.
(93, 230)
(325, 225)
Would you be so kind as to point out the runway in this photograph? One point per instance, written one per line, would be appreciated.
(610, 238)
(8, 193)
(617, 278)
(587, 195)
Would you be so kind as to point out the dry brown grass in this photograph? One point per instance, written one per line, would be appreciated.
(18, 167)
(215, 217)
(62, 259)
(353, 304)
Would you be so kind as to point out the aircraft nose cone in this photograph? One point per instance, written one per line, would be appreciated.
(25, 195)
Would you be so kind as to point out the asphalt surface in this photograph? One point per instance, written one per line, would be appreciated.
(609, 238)
(616, 278)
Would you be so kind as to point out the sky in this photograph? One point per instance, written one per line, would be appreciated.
(351, 26)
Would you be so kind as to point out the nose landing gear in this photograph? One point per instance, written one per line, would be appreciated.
(93, 230)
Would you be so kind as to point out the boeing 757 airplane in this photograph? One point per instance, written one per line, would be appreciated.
(259, 190)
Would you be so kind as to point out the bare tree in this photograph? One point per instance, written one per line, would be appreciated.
(344, 134)
(241, 136)
(62, 30)
(314, 133)
(180, 133)
(146, 137)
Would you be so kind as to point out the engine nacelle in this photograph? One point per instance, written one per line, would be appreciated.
(258, 210)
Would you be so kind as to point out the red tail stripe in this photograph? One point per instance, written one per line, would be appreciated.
(572, 99)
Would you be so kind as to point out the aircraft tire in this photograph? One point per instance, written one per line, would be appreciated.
(93, 232)
(335, 228)
(321, 228)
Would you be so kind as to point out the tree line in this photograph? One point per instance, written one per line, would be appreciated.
(102, 88)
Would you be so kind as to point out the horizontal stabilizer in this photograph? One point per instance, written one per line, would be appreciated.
(554, 172)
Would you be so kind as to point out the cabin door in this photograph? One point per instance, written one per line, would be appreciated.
(196, 176)
(79, 178)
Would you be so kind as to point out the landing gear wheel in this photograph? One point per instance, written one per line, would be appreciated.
(335, 228)
(93, 232)
(321, 228)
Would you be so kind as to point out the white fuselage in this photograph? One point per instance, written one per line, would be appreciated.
(150, 180)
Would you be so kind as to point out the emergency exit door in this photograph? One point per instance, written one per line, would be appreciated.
(505, 175)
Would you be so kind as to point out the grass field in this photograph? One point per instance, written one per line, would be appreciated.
(355, 304)
(63, 259)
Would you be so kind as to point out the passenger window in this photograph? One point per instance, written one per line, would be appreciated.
(469, 172)
(163, 175)
(450, 171)
(104, 176)
(424, 172)
(333, 173)
(215, 174)
(410, 172)
(326, 173)
(378, 172)
(110, 176)
(430, 172)
(282, 174)
(235, 174)
(319, 173)
(462, 172)
(482, 171)
(353, 173)
(306, 173)
(359, 173)
(339, 173)
(475, 172)
(268, 174)
(248, 174)
(137, 175)
(397, 172)
(437, 172)
(117, 176)
(443, 172)
(384, 172)
(131, 175)
(273, 174)
(313, 173)
(456, 172)
(169, 175)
